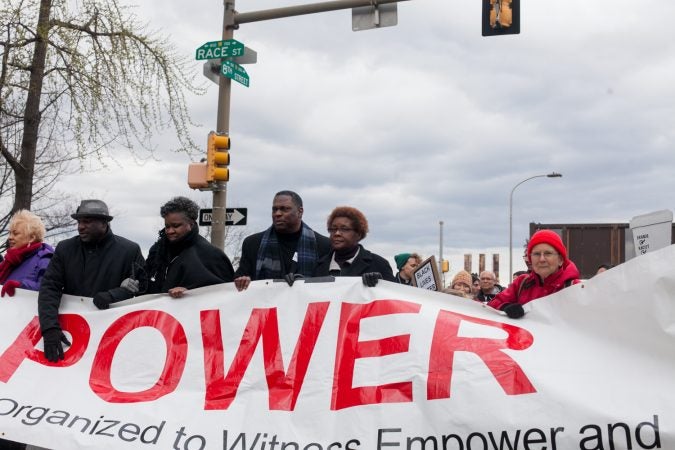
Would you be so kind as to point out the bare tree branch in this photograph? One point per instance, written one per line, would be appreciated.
(80, 81)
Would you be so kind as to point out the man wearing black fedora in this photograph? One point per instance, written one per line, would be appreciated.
(93, 264)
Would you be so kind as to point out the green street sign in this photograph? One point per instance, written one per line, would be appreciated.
(220, 49)
(234, 72)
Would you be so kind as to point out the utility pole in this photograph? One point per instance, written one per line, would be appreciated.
(550, 175)
(218, 217)
(440, 252)
(231, 21)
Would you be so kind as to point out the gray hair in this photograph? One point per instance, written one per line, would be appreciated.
(181, 205)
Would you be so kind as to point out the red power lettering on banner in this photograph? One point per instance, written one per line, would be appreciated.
(24, 345)
(284, 387)
(176, 353)
(349, 349)
(446, 342)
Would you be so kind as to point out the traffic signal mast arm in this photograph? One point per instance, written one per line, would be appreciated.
(216, 173)
(299, 10)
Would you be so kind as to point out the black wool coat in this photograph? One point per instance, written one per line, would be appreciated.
(86, 269)
(364, 262)
(251, 246)
(190, 264)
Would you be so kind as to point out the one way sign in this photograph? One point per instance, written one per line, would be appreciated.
(233, 216)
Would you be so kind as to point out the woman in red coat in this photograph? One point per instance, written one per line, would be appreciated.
(551, 272)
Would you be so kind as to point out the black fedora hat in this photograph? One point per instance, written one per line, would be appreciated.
(92, 208)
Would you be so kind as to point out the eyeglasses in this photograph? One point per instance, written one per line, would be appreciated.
(547, 255)
(487, 279)
(342, 230)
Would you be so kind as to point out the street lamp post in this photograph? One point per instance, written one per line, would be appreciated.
(549, 175)
(440, 253)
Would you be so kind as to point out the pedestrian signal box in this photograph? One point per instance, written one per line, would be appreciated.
(197, 176)
(501, 17)
(217, 157)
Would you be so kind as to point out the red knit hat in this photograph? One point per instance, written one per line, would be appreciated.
(547, 237)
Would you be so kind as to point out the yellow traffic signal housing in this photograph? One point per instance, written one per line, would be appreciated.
(217, 157)
(501, 14)
(501, 17)
(445, 265)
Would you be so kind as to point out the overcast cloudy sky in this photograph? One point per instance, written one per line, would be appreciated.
(429, 121)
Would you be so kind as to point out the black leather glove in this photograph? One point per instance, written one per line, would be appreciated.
(102, 300)
(513, 310)
(52, 339)
(370, 279)
(131, 285)
(291, 277)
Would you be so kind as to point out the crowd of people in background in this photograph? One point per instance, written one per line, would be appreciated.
(109, 268)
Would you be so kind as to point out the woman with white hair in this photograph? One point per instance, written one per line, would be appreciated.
(27, 257)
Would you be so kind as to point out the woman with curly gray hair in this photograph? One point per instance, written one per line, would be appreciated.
(182, 259)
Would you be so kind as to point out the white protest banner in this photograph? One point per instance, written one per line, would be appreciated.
(340, 366)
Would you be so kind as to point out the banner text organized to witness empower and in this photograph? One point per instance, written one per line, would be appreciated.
(339, 366)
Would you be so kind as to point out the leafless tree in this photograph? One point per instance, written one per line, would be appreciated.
(80, 81)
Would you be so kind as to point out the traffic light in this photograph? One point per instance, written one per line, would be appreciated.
(217, 157)
(501, 17)
(445, 266)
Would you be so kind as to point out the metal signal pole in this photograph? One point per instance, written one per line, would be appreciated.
(218, 217)
(231, 21)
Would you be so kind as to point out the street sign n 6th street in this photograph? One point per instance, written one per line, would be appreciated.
(234, 72)
(220, 49)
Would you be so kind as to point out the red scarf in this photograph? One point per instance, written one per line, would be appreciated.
(14, 257)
